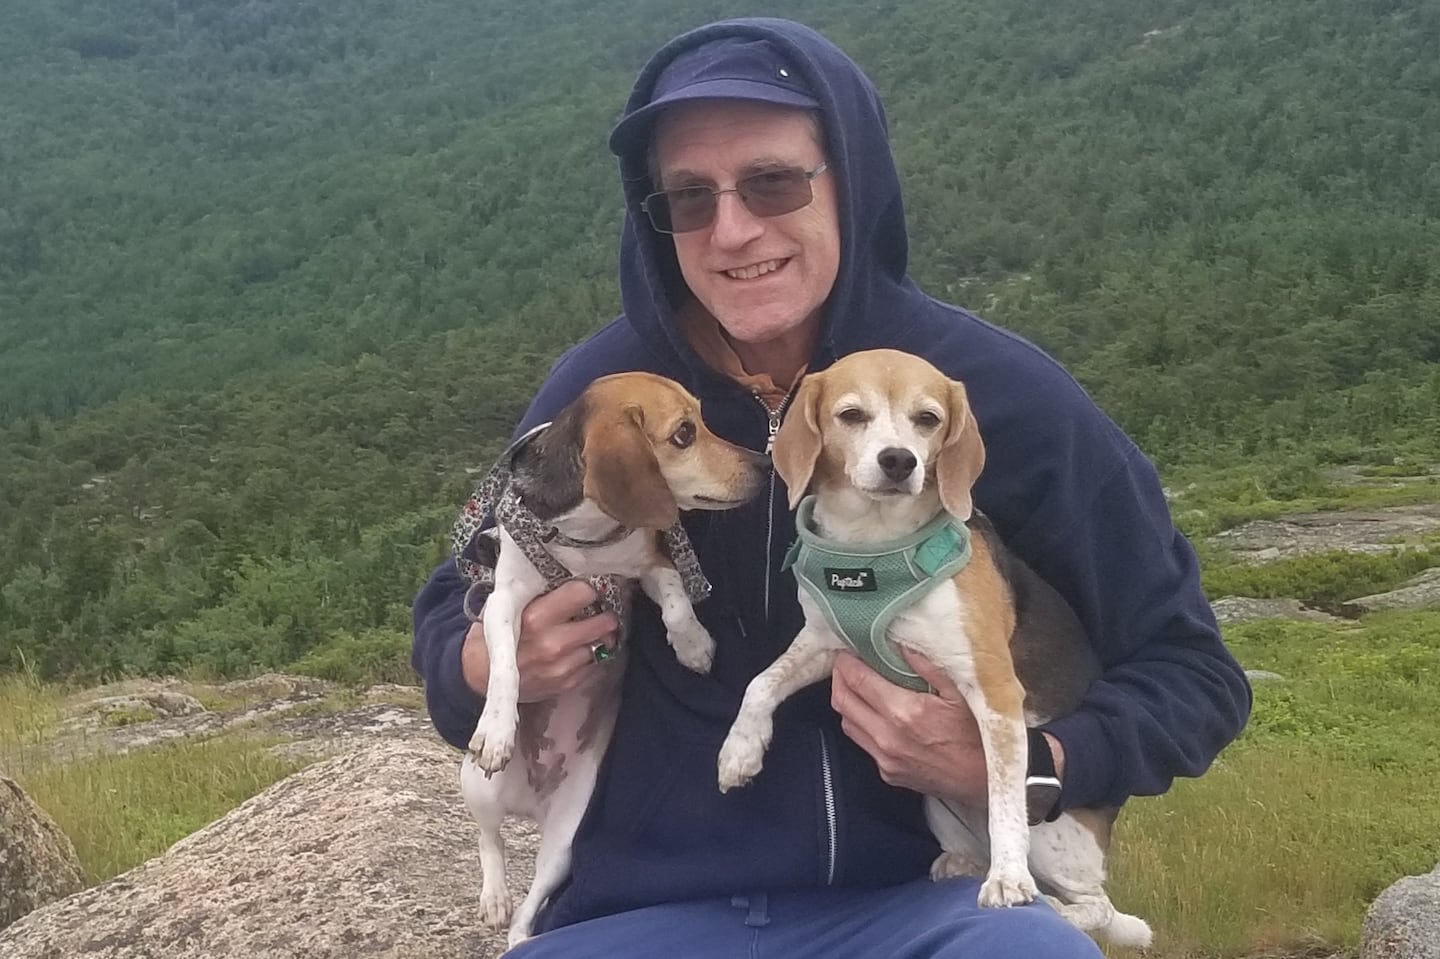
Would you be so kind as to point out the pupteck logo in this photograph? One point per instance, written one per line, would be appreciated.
(850, 580)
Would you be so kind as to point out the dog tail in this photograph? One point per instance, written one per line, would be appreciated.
(1126, 930)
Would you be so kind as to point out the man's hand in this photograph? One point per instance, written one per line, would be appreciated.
(554, 654)
(922, 741)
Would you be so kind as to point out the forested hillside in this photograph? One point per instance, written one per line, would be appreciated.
(274, 273)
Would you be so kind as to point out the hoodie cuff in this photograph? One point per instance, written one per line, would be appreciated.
(1089, 761)
(454, 706)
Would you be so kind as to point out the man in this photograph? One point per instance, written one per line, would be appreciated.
(765, 235)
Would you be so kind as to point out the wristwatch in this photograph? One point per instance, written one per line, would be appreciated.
(1042, 784)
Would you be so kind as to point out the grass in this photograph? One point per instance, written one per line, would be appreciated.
(1320, 805)
(120, 810)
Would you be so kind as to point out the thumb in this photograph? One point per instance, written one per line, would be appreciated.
(938, 679)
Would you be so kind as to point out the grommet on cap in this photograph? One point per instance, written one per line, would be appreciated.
(784, 72)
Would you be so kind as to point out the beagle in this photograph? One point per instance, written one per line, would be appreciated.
(890, 449)
(598, 491)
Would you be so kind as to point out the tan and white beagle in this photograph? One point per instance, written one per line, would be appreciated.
(605, 478)
(888, 446)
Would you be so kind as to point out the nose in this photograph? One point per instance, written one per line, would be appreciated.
(896, 463)
(734, 224)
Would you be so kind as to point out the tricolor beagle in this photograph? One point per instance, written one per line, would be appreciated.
(603, 483)
(890, 449)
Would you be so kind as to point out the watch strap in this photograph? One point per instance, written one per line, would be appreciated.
(1042, 783)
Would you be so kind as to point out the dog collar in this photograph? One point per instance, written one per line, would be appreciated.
(862, 588)
(495, 496)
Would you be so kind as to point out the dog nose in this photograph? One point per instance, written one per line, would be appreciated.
(896, 463)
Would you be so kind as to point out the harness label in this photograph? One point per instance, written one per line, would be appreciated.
(860, 580)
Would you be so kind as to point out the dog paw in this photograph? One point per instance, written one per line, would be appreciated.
(949, 864)
(518, 934)
(495, 907)
(491, 751)
(1007, 889)
(741, 758)
(694, 646)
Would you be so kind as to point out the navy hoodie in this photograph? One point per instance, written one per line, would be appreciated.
(1066, 489)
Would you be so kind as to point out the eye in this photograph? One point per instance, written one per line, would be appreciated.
(684, 435)
(853, 415)
(926, 420)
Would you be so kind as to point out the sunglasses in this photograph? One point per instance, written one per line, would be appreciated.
(769, 193)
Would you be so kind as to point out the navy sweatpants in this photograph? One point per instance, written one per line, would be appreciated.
(919, 920)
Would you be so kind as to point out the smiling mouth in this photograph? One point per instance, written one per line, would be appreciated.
(756, 270)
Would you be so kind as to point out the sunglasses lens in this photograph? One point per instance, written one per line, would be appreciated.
(775, 192)
(772, 193)
(692, 208)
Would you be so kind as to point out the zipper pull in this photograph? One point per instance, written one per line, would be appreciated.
(774, 415)
(774, 428)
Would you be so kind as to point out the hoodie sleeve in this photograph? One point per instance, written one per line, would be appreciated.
(1082, 505)
(440, 626)
(1171, 695)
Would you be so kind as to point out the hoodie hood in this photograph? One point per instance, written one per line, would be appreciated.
(872, 288)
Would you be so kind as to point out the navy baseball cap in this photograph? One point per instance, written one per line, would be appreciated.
(731, 68)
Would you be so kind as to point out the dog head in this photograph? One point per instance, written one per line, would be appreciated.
(647, 454)
(883, 425)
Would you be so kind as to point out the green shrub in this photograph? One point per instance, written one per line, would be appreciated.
(1320, 579)
(360, 659)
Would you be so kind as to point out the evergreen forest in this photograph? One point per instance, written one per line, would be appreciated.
(277, 275)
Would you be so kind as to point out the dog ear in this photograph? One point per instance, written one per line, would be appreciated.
(622, 475)
(962, 456)
(797, 443)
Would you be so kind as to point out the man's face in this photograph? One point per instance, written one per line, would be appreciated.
(763, 278)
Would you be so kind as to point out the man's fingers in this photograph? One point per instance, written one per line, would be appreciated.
(559, 605)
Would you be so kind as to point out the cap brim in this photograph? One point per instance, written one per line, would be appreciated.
(632, 134)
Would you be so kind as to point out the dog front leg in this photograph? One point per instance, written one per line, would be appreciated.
(810, 658)
(996, 700)
(692, 642)
(494, 738)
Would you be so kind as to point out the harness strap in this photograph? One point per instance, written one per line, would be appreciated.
(862, 588)
(495, 495)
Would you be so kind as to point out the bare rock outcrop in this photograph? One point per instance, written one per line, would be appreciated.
(1362, 531)
(37, 861)
(1404, 921)
(368, 854)
(1420, 592)
(1239, 609)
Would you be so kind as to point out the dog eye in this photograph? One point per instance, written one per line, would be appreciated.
(853, 416)
(684, 435)
(926, 420)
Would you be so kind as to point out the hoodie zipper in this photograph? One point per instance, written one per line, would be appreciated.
(827, 781)
(774, 416)
(827, 772)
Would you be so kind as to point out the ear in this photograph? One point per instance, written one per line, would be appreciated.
(622, 475)
(962, 456)
(797, 443)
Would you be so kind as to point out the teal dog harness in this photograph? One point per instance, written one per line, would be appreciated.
(862, 588)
